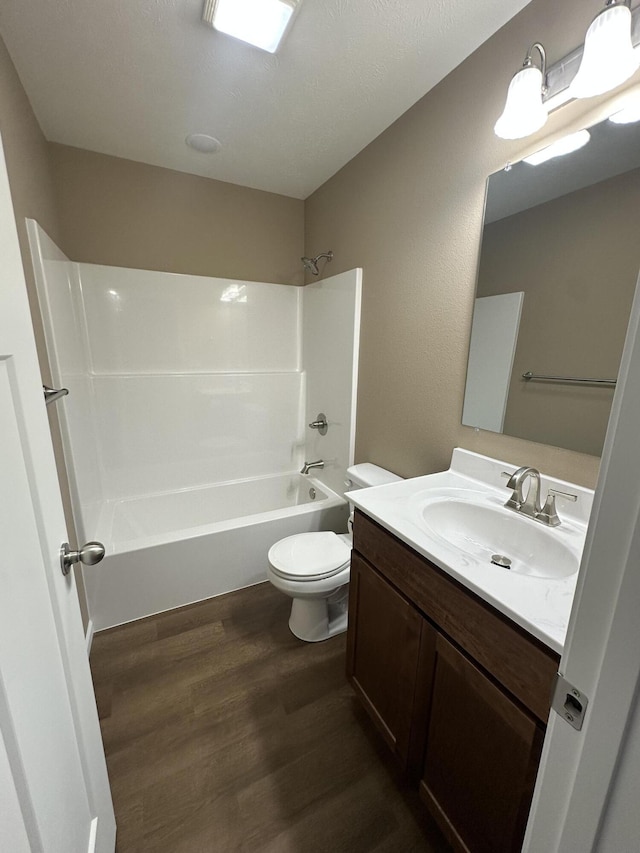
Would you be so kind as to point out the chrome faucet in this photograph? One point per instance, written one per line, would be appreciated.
(530, 506)
(309, 465)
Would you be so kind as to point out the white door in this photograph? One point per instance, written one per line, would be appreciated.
(494, 336)
(54, 789)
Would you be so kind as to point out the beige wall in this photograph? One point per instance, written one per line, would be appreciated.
(121, 213)
(577, 260)
(27, 154)
(408, 209)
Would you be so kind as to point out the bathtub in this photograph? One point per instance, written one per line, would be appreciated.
(168, 550)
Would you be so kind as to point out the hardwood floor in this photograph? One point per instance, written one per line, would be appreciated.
(225, 733)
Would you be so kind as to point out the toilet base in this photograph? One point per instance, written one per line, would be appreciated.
(317, 619)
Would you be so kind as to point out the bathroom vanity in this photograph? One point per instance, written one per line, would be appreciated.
(458, 689)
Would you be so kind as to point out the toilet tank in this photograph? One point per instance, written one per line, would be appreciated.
(366, 474)
(363, 476)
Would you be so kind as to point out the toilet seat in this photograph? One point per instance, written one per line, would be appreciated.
(309, 556)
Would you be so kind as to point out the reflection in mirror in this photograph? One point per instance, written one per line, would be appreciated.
(558, 267)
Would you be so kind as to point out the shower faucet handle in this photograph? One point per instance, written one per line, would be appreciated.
(320, 423)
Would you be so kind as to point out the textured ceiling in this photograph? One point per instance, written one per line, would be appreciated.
(133, 78)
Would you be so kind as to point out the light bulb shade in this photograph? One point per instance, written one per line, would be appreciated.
(608, 58)
(524, 112)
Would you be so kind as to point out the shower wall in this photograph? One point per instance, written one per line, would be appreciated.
(178, 381)
(196, 380)
(57, 285)
(330, 344)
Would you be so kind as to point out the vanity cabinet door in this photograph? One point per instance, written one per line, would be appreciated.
(383, 641)
(481, 756)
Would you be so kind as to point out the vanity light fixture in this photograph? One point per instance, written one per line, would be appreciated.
(569, 143)
(261, 23)
(524, 111)
(609, 57)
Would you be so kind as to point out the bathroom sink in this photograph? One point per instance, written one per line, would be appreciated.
(456, 519)
(500, 538)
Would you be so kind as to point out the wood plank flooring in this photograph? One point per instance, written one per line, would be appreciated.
(226, 734)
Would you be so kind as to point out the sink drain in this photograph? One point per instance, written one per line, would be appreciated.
(501, 560)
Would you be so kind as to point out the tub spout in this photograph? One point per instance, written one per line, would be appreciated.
(309, 465)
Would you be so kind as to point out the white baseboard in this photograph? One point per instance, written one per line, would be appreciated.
(89, 636)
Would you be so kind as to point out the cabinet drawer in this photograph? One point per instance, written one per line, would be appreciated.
(523, 665)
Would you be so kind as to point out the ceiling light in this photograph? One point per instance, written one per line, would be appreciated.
(261, 23)
(609, 58)
(203, 143)
(566, 145)
(524, 112)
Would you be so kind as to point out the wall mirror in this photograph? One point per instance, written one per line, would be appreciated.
(558, 267)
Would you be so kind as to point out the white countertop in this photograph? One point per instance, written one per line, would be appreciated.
(540, 605)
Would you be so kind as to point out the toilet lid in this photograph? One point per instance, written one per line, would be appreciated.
(309, 556)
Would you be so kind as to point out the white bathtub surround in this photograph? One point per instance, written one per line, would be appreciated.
(330, 344)
(150, 323)
(160, 433)
(180, 383)
(58, 289)
(189, 387)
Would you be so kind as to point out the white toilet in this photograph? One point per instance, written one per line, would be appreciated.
(313, 568)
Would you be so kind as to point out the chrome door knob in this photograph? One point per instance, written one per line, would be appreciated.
(90, 554)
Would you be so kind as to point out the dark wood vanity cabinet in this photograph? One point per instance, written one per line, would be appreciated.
(460, 694)
(480, 758)
(383, 654)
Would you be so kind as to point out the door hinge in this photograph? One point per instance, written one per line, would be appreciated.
(569, 702)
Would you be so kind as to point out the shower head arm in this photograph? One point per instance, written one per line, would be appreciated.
(311, 264)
